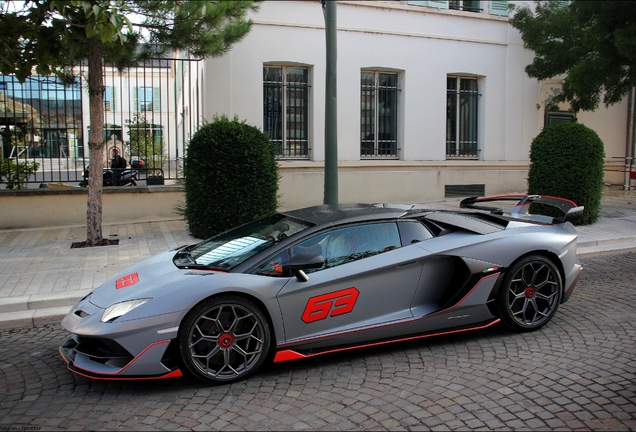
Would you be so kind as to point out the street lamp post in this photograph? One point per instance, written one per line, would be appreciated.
(331, 112)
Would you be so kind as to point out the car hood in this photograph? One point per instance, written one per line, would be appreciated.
(151, 278)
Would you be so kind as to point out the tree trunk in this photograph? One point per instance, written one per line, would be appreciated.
(95, 142)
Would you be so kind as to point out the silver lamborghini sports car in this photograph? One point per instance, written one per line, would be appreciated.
(326, 279)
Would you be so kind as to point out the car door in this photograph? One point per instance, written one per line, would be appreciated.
(368, 280)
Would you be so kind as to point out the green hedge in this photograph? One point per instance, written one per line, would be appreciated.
(567, 161)
(231, 177)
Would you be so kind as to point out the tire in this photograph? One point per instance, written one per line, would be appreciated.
(224, 339)
(530, 294)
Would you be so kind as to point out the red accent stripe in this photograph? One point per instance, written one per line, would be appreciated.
(207, 271)
(174, 374)
(286, 355)
(574, 280)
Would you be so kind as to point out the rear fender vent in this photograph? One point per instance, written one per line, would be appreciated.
(467, 190)
(456, 288)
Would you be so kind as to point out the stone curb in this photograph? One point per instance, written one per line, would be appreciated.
(606, 249)
(41, 301)
(32, 318)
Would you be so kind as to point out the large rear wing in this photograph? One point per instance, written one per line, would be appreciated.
(570, 210)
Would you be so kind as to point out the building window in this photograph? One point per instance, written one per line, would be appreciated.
(378, 114)
(495, 7)
(146, 99)
(285, 109)
(109, 99)
(462, 97)
(464, 5)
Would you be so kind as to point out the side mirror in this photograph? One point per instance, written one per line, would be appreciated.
(573, 214)
(303, 261)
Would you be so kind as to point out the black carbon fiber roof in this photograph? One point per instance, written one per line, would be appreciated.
(330, 213)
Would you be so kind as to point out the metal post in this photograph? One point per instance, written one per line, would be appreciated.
(629, 149)
(331, 114)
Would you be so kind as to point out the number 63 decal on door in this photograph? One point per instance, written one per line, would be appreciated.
(337, 302)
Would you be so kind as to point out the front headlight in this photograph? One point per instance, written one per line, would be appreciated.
(120, 309)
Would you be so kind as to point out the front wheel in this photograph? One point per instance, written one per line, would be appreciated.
(530, 294)
(224, 339)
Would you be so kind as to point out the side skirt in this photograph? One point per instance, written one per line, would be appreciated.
(287, 354)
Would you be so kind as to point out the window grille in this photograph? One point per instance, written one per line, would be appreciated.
(285, 109)
(464, 190)
(462, 97)
(552, 117)
(378, 114)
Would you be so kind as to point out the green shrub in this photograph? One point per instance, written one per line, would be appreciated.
(567, 161)
(15, 174)
(231, 177)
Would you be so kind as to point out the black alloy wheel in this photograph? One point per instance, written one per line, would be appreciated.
(530, 294)
(224, 339)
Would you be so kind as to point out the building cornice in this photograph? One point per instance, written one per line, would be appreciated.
(381, 32)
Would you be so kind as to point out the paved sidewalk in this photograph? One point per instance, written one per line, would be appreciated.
(41, 277)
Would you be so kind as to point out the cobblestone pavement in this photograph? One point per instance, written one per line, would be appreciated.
(578, 372)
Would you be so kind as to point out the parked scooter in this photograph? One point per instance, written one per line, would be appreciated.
(128, 177)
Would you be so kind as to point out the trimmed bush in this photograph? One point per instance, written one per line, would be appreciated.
(567, 161)
(231, 177)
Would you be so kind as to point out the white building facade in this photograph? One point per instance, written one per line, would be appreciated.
(433, 100)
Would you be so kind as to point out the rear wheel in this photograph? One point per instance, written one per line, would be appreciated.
(224, 339)
(530, 294)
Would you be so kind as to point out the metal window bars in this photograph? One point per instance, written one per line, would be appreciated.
(462, 117)
(285, 109)
(378, 114)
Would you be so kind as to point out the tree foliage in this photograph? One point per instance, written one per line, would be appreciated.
(592, 43)
(53, 36)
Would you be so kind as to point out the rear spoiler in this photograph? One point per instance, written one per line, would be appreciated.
(571, 211)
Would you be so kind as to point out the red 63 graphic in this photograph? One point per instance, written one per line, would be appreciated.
(337, 302)
(127, 280)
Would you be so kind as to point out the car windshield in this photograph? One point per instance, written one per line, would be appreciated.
(229, 249)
